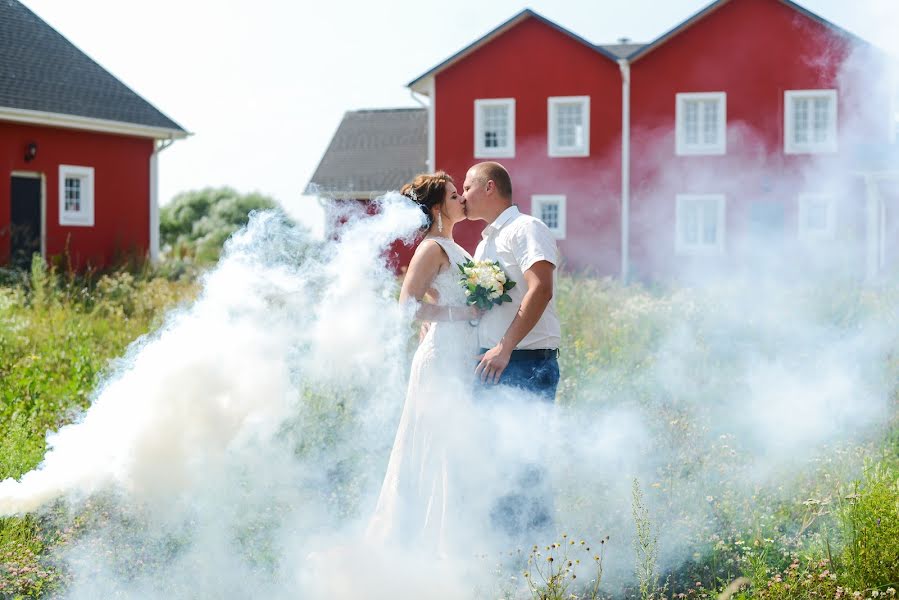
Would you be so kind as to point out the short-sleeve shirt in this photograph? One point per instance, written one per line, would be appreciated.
(517, 241)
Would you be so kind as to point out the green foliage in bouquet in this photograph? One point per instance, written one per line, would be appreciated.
(485, 283)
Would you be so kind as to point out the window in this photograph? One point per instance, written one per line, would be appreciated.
(569, 126)
(550, 210)
(816, 217)
(701, 123)
(699, 223)
(494, 128)
(810, 121)
(76, 195)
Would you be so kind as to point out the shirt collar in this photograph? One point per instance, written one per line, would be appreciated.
(503, 218)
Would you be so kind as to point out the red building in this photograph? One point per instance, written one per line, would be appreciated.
(78, 149)
(743, 135)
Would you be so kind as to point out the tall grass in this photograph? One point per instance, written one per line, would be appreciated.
(58, 333)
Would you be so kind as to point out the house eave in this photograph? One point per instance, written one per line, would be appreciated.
(704, 12)
(345, 194)
(35, 117)
(418, 83)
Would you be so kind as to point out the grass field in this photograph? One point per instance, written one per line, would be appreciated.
(833, 534)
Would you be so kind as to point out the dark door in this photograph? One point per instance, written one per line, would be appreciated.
(24, 221)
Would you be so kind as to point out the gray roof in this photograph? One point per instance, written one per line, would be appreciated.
(621, 50)
(40, 70)
(373, 151)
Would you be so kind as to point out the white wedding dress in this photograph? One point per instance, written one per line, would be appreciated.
(423, 494)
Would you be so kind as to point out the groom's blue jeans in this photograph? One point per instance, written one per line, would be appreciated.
(526, 510)
(539, 376)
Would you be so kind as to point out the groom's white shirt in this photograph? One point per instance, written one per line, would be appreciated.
(516, 242)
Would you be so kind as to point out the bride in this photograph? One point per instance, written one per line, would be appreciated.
(422, 492)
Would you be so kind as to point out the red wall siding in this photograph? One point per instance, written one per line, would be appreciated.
(121, 189)
(531, 62)
(753, 50)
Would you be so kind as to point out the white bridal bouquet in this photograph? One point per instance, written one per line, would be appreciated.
(485, 283)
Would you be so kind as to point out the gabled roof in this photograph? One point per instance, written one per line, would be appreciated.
(621, 50)
(646, 49)
(373, 152)
(43, 76)
(417, 83)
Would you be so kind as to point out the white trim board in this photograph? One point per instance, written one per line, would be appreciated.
(34, 117)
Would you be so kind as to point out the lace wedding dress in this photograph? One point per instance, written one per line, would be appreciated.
(423, 490)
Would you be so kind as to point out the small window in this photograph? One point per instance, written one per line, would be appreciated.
(817, 219)
(550, 210)
(494, 128)
(569, 126)
(76, 195)
(701, 123)
(699, 224)
(810, 121)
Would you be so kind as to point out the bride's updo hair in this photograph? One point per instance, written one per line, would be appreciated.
(427, 190)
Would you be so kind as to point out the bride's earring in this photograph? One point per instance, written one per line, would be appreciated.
(439, 223)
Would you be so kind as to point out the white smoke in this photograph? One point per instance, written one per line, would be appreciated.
(237, 452)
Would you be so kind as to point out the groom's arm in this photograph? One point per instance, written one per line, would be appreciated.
(539, 279)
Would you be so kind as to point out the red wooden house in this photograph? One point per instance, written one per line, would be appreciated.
(78, 151)
(739, 135)
(747, 122)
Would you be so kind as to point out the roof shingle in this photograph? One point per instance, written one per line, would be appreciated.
(40, 70)
(372, 152)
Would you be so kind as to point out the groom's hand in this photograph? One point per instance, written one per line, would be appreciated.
(493, 363)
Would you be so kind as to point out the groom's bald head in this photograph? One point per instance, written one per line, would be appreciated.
(495, 172)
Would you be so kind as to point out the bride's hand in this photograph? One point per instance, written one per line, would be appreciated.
(475, 313)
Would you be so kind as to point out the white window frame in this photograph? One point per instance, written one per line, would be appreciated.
(480, 150)
(814, 235)
(85, 216)
(681, 246)
(790, 146)
(537, 202)
(553, 148)
(894, 107)
(682, 148)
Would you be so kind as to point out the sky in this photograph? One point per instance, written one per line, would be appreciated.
(262, 85)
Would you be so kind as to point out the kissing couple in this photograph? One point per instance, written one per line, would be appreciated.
(468, 361)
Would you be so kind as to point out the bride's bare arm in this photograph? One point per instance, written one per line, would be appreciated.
(429, 259)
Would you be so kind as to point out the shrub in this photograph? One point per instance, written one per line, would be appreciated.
(197, 223)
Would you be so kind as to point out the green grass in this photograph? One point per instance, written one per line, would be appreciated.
(57, 336)
(835, 530)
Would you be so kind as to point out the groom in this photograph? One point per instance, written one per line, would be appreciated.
(520, 339)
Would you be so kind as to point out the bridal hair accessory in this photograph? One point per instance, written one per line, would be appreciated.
(485, 283)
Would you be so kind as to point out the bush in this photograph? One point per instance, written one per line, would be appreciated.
(197, 223)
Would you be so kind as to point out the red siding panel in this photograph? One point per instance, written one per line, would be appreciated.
(754, 50)
(121, 190)
(531, 62)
